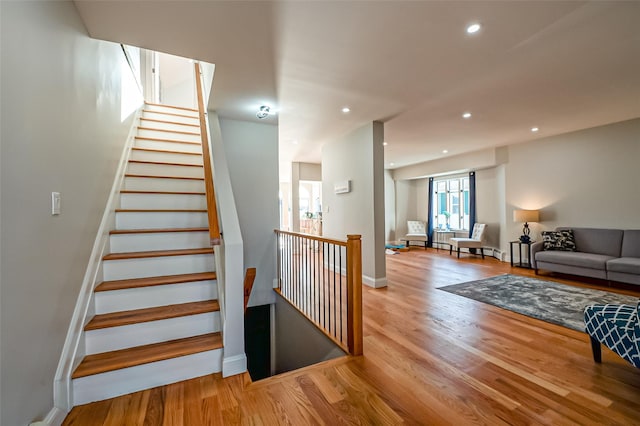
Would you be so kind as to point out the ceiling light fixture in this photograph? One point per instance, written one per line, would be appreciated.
(384, 144)
(466, 115)
(263, 112)
(534, 129)
(346, 110)
(473, 28)
(445, 151)
(295, 142)
(392, 164)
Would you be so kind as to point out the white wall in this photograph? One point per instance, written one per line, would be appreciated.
(584, 178)
(61, 131)
(357, 157)
(588, 178)
(252, 155)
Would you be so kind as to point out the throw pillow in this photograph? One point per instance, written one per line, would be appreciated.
(558, 240)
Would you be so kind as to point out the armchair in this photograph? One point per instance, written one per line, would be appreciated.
(417, 231)
(475, 242)
(615, 326)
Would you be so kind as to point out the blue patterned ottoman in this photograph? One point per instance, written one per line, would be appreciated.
(616, 327)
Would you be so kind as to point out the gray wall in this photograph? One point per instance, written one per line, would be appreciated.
(357, 157)
(252, 156)
(298, 342)
(584, 178)
(61, 131)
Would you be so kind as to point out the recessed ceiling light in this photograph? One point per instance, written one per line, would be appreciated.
(473, 28)
(534, 129)
(444, 151)
(392, 164)
(384, 144)
(466, 115)
(346, 109)
(295, 142)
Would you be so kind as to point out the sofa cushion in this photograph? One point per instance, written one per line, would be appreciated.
(558, 240)
(599, 241)
(629, 265)
(579, 259)
(631, 243)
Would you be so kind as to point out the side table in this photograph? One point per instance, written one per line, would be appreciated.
(520, 263)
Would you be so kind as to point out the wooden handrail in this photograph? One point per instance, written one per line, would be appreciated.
(310, 280)
(313, 237)
(212, 210)
(249, 278)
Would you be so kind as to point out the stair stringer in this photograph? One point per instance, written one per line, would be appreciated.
(73, 348)
(229, 258)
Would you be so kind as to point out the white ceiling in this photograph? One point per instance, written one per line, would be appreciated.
(560, 66)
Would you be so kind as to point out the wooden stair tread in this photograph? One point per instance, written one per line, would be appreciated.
(171, 106)
(146, 138)
(154, 281)
(132, 191)
(181, 132)
(171, 113)
(162, 177)
(166, 151)
(115, 360)
(136, 316)
(165, 163)
(155, 120)
(157, 253)
(156, 230)
(160, 210)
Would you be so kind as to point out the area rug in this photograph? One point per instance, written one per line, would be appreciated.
(546, 300)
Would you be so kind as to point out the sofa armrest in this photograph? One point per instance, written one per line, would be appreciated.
(535, 247)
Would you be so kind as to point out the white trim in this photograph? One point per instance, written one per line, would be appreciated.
(234, 365)
(71, 356)
(374, 282)
(55, 417)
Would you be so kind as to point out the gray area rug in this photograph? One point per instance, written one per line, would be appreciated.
(546, 300)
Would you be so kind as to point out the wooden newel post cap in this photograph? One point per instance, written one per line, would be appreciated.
(354, 237)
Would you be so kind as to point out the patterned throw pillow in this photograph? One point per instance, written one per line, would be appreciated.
(558, 240)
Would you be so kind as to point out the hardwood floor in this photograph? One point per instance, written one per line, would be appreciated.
(430, 357)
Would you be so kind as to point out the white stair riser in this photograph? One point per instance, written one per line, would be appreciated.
(169, 125)
(172, 110)
(163, 184)
(121, 382)
(159, 116)
(167, 146)
(156, 220)
(163, 201)
(164, 170)
(157, 266)
(175, 136)
(126, 243)
(159, 295)
(166, 157)
(146, 333)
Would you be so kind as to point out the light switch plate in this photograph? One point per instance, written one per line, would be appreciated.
(55, 203)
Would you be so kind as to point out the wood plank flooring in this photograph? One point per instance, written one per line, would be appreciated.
(430, 357)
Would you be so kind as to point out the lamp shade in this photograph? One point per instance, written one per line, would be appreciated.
(526, 215)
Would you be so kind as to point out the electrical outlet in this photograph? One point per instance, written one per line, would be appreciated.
(55, 203)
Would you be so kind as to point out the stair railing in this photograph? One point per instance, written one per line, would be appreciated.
(322, 279)
(212, 210)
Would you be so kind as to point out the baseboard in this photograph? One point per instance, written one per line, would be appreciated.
(234, 365)
(374, 282)
(55, 417)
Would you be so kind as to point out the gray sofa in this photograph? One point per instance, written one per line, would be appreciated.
(611, 254)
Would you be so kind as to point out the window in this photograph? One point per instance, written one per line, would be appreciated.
(452, 203)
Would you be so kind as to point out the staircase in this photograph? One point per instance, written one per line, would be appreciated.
(157, 318)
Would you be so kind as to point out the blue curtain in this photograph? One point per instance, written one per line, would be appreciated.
(430, 215)
(472, 201)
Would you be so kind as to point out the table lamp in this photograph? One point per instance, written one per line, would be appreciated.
(526, 216)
